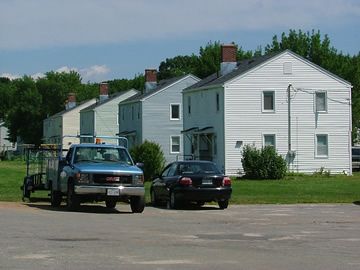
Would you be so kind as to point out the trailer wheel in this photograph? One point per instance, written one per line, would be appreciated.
(55, 197)
(137, 204)
(72, 200)
(27, 185)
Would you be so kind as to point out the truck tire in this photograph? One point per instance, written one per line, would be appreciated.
(137, 204)
(55, 197)
(72, 200)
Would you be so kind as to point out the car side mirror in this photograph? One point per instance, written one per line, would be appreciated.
(140, 165)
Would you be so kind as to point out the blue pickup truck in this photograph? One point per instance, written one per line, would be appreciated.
(91, 173)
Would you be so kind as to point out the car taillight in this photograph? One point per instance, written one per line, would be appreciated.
(226, 181)
(185, 181)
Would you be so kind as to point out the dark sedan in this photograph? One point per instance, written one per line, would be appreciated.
(191, 181)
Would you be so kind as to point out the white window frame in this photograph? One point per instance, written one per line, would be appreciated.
(171, 112)
(171, 144)
(317, 155)
(315, 103)
(268, 134)
(263, 101)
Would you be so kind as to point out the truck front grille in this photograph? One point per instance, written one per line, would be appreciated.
(119, 179)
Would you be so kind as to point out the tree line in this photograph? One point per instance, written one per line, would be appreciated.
(25, 102)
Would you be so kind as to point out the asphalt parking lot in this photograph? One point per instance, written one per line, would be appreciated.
(313, 236)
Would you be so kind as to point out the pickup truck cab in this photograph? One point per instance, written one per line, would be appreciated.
(98, 172)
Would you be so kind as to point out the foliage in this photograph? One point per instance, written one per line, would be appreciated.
(151, 155)
(263, 164)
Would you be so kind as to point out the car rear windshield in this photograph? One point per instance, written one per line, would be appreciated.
(198, 168)
(102, 154)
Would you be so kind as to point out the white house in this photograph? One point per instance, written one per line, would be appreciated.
(64, 123)
(156, 114)
(248, 103)
(5, 144)
(101, 118)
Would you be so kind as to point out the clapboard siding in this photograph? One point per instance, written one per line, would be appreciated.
(154, 123)
(245, 121)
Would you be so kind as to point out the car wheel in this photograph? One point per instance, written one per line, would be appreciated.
(223, 204)
(154, 199)
(137, 204)
(110, 203)
(55, 197)
(173, 202)
(72, 200)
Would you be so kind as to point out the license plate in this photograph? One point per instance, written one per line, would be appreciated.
(207, 182)
(113, 192)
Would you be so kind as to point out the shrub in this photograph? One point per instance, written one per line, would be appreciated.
(151, 155)
(263, 164)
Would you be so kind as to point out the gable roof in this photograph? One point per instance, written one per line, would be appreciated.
(246, 65)
(112, 97)
(161, 86)
(69, 110)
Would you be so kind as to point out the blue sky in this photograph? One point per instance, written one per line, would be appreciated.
(112, 39)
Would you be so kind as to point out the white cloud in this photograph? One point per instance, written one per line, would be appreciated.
(71, 23)
(95, 73)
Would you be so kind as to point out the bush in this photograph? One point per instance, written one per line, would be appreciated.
(151, 155)
(263, 164)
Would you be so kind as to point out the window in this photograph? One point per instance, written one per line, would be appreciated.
(174, 111)
(175, 144)
(217, 102)
(322, 145)
(189, 105)
(320, 102)
(268, 101)
(269, 139)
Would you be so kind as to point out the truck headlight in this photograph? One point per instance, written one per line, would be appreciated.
(138, 179)
(83, 178)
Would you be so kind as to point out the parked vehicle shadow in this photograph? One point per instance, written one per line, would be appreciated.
(357, 203)
(188, 207)
(85, 208)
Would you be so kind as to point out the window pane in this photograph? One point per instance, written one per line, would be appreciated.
(322, 145)
(175, 112)
(269, 101)
(175, 144)
(320, 101)
(269, 140)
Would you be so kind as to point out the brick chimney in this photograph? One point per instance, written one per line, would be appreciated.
(71, 101)
(104, 91)
(228, 58)
(150, 80)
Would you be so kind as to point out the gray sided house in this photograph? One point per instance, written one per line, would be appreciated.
(5, 144)
(156, 115)
(66, 122)
(101, 118)
(247, 103)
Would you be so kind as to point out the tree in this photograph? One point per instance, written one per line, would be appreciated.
(6, 92)
(177, 66)
(24, 117)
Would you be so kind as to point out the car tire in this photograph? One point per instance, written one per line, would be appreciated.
(55, 197)
(154, 199)
(173, 201)
(110, 203)
(223, 204)
(72, 200)
(137, 204)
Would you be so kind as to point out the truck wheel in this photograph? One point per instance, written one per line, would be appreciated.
(55, 197)
(137, 204)
(72, 200)
(110, 203)
(223, 204)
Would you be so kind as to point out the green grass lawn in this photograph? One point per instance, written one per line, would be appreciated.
(293, 189)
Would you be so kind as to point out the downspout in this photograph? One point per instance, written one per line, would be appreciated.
(350, 133)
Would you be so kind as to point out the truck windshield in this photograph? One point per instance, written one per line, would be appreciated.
(102, 154)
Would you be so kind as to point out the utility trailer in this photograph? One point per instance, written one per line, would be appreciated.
(89, 172)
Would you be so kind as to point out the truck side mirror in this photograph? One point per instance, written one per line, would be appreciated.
(140, 165)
